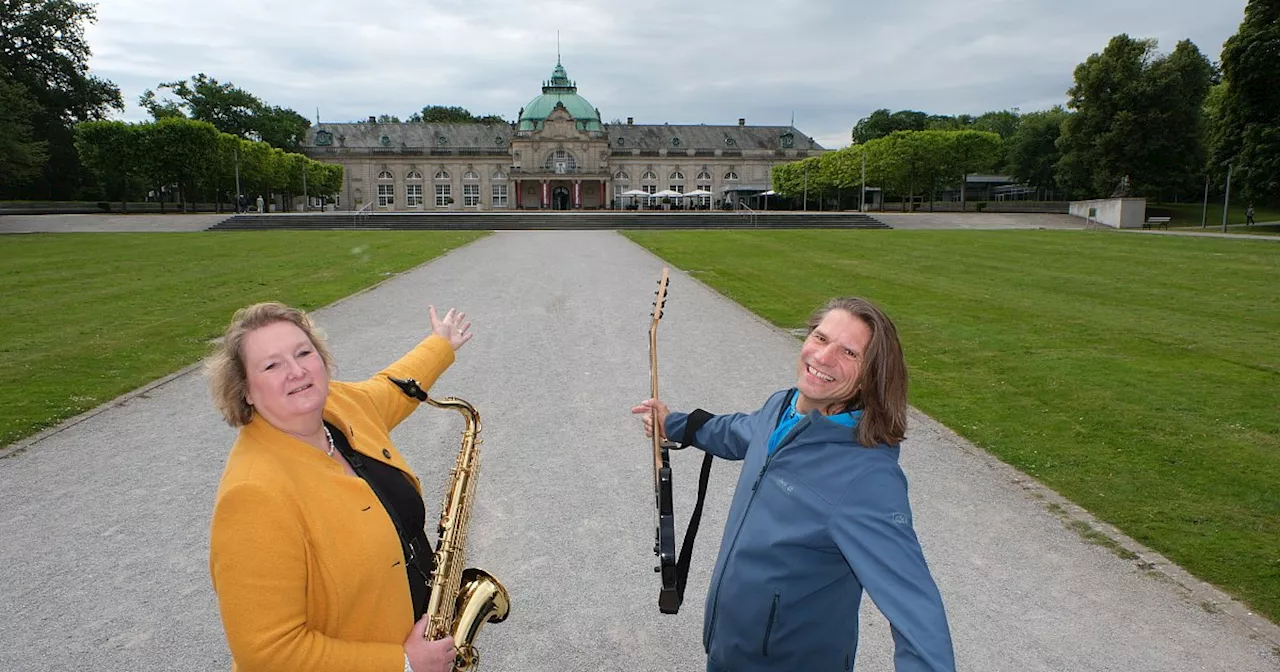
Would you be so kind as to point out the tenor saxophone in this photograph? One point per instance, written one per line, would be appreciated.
(461, 600)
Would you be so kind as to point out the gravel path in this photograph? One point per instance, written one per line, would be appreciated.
(104, 520)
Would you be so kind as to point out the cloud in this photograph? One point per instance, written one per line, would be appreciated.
(828, 62)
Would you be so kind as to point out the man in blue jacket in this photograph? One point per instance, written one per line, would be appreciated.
(820, 511)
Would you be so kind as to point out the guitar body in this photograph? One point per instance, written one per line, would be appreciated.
(664, 544)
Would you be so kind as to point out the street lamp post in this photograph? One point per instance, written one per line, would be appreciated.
(1204, 212)
(806, 186)
(1226, 198)
(862, 203)
(236, 151)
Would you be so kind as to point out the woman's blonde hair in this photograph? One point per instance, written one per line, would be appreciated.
(228, 382)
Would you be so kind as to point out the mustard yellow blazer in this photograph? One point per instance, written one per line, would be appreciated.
(305, 561)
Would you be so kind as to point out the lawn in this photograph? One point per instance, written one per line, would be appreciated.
(1136, 375)
(88, 317)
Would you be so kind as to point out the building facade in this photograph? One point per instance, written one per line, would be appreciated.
(557, 156)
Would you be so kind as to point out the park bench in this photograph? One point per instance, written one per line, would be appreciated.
(1154, 222)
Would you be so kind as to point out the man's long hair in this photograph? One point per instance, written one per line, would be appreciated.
(881, 391)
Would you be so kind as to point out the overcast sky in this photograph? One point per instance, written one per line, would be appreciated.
(828, 62)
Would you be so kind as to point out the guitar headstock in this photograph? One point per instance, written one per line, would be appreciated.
(661, 299)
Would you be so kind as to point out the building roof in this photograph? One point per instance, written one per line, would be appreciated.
(559, 90)
(485, 138)
(653, 137)
(412, 135)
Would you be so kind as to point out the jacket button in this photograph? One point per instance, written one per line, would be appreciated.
(386, 453)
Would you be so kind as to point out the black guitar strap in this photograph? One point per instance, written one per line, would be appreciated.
(696, 420)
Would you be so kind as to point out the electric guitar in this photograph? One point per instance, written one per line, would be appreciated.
(664, 545)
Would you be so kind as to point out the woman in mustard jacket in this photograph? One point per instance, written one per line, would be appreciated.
(306, 560)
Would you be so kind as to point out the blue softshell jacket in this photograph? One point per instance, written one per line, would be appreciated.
(809, 528)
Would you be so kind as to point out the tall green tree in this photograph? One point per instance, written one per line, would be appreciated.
(971, 152)
(1003, 123)
(21, 156)
(1096, 141)
(1174, 90)
(280, 127)
(180, 152)
(452, 114)
(42, 48)
(111, 150)
(230, 109)
(1138, 118)
(882, 123)
(1248, 133)
(1032, 152)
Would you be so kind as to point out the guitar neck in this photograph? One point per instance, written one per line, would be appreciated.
(653, 392)
(658, 305)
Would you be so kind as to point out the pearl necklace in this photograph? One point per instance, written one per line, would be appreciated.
(329, 436)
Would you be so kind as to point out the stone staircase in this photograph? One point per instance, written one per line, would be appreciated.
(492, 221)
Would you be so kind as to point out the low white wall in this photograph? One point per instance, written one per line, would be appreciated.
(1118, 213)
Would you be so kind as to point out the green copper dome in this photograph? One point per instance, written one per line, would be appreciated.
(559, 90)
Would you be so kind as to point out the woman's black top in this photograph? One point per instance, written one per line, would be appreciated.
(398, 494)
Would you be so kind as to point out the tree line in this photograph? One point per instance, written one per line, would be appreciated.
(132, 159)
(1163, 126)
(47, 94)
(906, 163)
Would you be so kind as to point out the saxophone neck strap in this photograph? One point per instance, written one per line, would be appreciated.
(356, 460)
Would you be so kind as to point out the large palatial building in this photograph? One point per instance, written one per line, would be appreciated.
(557, 156)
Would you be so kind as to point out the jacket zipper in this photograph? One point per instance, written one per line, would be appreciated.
(711, 628)
(773, 616)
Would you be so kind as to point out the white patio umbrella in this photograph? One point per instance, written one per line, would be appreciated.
(667, 193)
(633, 193)
(766, 195)
(700, 194)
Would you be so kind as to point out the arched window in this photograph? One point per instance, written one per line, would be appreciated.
(649, 175)
(731, 175)
(498, 189)
(442, 175)
(561, 162)
(470, 190)
(386, 190)
(621, 175)
(704, 176)
(677, 175)
(413, 175)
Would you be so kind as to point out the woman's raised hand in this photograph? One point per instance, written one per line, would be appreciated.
(453, 327)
